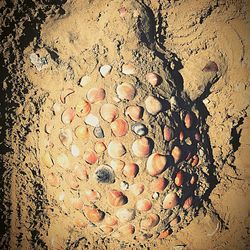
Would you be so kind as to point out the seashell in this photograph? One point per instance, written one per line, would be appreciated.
(131, 170)
(181, 135)
(188, 141)
(47, 160)
(49, 127)
(143, 205)
(72, 181)
(139, 129)
(128, 69)
(159, 184)
(119, 127)
(92, 120)
(85, 80)
(188, 120)
(155, 195)
(95, 95)
(128, 229)
(156, 164)
(135, 113)
(188, 202)
(82, 132)
(163, 234)
(109, 112)
(105, 174)
(66, 137)
(77, 203)
(83, 108)
(61, 196)
(110, 220)
(150, 221)
(93, 214)
(124, 185)
(68, 115)
(91, 195)
(125, 91)
(98, 132)
(90, 157)
(125, 214)
(117, 198)
(176, 153)
(75, 151)
(63, 161)
(80, 220)
(211, 66)
(193, 180)
(105, 70)
(116, 149)
(153, 105)
(100, 147)
(170, 200)
(53, 180)
(197, 136)
(179, 178)
(117, 165)
(195, 160)
(141, 147)
(168, 133)
(65, 93)
(57, 108)
(80, 172)
(137, 188)
(154, 79)
(106, 229)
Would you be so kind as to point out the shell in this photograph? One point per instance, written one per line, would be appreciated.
(128, 229)
(110, 220)
(49, 127)
(53, 179)
(106, 229)
(75, 151)
(150, 221)
(109, 112)
(139, 129)
(68, 115)
(155, 195)
(137, 188)
(141, 147)
(90, 157)
(124, 185)
(80, 172)
(77, 203)
(126, 91)
(197, 136)
(72, 181)
(119, 127)
(47, 159)
(65, 93)
(193, 180)
(128, 69)
(57, 108)
(135, 113)
(195, 160)
(163, 234)
(93, 214)
(176, 153)
(100, 147)
(91, 195)
(95, 95)
(116, 149)
(168, 133)
(181, 135)
(188, 120)
(85, 80)
(188, 202)
(159, 184)
(125, 214)
(179, 178)
(83, 108)
(131, 170)
(170, 200)
(92, 120)
(154, 79)
(66, 137)
(105, 70)
(80, 220)
(105, 174)
(153, 105)
(82, 132)
(117, 198)
(143, 205)
(98, 132)
(117, 165)
(63, 161)
(156, 164)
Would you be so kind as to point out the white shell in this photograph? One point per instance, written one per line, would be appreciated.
(124, 185)
(105, 70)
(61, 196)
(128, 69)
(85, 80)
(63, 161)
(92, 120)
(125, 215)
(75, 151)
(57, 108)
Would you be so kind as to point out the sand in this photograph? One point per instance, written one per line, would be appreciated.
(201, 49)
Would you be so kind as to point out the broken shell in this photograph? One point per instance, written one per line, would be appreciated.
(57, 108)
(82, 132)
(90, 157)
(153, 105)
(116, 149)
(77, 203)
(179, 179)
(117, 165)
(124, 185)
(100, 147)
(188, 202)
(128, 69)
(195, 160)
(53, 180)
(85, 80)
(168, 133)
(150, 221)
(109, 112)
(66, 137)
(155, 195)
(188, 120)
(125, 91)
(156, 164)
(75, 151)
(105, 174)
(143, 205)
(72, 181)
(91, 195)
(159, 184)
(176, 153)
(117, 198)
(154, 79)
(105, 70)
(65, 93)
(93, 214)
(110, 220)
(125, 214)
(47, 160)
(119, 127)
(49, 127)
(106, 229)
(83, 108)
(139, 129)
(98, 132)
(141, 147)
(137, 188)
(131, 170)
(92, 120)
(163, 234)
(96, 95)
(127, 229)
(63, 161)
(68, 115)
(170, 200)
(80, 172)
(135, 113)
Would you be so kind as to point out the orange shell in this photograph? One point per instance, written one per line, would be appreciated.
(143, 205)
(170, 200)
(156, 164)
(159, 184)
(90, 157)
(96, 95)
(135, 113)
(119, 127)
(131, 170)
(117, 198)
(179, 178)
(141, 147)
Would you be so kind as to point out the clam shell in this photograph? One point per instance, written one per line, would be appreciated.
(63, 161)
(95, 95)
(153, 105)
(91, 195)
(125, 214)
(117, 165)
(75, 150)
(93, 214)
(168, 133)
(105, 174)
(83, 108)
(90, 157)
(117, 198)
(154, 79)
(116, 149)
(82, 132)
(80, 172)
(143, 205)
(47, 160)
(181, 135)
(135, 113)
(100, 147)
(65, 93)
(119, 127)
(126, 91)
(131, 170)
(53, 180)
(109, 112)
(159, 184)
(92, 120)
(137, 188)
(139, 129)
(179, 178)
(141, 147)
(66, 137)
(98, 132)
(188, 202)
(85, 80)
(80, 220)
(105, 70)
(156, 164)
(128, 69)
(176, 153)
(68, 115)
(150, 221)
(170, 200)
(128, 229)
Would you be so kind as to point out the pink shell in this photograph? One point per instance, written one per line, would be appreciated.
(153, 78)
(109, 112)
(188, 202)
(159, 184)
(141, 147)
(68, 115)
(135, 113)
(96, 95)
(131, 170)
(143, 205)
(170, 200)
(90, 157)
(126, 91)
(156, 164)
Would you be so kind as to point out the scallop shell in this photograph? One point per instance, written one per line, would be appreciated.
(131, 170)
(80, 172)
(92, 120)
(126, 91)
(85, 80)
(156, 164)
(128, 229)
(150, 221)
(53, 179)
(119, 127)
(83, 108)
(153, 105)
(179, 178)
(116, 149)
(91, 195)
(47, 160)
(75, 150)
(139, 129)
(154, 79)
(82, 132)
(109, 112)
(143, 205)
(100, 147)
(135, 113)
(96, 95)
(93, 214)
(117, 198)
(141, 147)
(176, 153)
(170, 200)
(65, 93)
(128, 69)
(90, 157)
(168, 133)
(105, 70)
(68, 115)
(117, 165)
(125, 214)
(63, 161)
(159, 184)
(105, 174)
(66, 137)
(137, 188)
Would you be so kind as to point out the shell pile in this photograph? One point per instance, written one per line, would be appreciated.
(126, 164)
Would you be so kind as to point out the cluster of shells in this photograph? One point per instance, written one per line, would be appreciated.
(102, 149)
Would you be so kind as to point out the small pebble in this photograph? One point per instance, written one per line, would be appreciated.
(124, 185)
(98, 132)
(155, 195)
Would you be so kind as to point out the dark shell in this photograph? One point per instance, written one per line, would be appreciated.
(105, 174)
(139, 129)
(98, 132)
